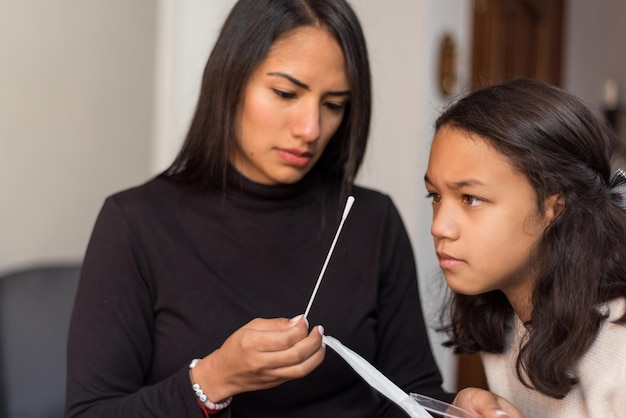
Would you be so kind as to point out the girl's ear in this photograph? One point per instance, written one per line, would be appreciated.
(554, 206)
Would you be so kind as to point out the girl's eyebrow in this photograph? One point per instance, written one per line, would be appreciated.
(304, 85)
(459, 184)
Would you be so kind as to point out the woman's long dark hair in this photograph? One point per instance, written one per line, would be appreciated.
(562, 147)
(243, 43)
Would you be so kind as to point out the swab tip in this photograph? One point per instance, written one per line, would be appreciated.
(349, 204)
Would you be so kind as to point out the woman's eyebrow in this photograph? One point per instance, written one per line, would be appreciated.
(304, 85)
(292, 79)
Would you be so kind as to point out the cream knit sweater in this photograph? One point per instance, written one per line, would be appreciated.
(601, 391)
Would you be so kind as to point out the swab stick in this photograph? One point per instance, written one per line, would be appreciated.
(346, 210)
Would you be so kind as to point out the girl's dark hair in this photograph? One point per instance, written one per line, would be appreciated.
(243, 43)
(562, 147)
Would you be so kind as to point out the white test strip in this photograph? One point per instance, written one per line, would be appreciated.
(415, 405)
(376, 379)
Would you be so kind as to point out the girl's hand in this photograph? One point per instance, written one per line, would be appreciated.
(485, 404)
(262, 354)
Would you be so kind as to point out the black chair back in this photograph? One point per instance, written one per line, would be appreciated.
(35, 310)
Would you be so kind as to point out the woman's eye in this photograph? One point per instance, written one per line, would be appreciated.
(284, 94)
(470, 200)
(336, 107)
(436, 197)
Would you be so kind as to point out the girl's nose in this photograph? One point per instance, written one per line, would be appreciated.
(444, 224)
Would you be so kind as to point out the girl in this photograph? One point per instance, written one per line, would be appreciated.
(529, 225)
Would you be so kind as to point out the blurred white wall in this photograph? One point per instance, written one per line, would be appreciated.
(76, 93)
(594, 49)
(186, 31)
(594, 52)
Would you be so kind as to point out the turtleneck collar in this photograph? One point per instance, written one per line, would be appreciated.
(244, 192)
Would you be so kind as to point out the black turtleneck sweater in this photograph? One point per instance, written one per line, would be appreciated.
(172, 270)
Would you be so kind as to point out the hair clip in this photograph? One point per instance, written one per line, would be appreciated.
(617, 186)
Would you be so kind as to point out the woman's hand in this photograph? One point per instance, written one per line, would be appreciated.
(262, 354)
(485, 404)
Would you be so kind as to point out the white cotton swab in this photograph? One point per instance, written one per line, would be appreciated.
(346, 210)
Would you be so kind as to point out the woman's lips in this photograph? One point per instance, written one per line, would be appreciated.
(294, 157)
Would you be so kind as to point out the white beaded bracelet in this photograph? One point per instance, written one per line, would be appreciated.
(200, 394)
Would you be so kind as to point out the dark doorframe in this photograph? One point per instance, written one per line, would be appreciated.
(517, 38)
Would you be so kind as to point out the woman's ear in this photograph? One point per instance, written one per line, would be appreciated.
(554, 206)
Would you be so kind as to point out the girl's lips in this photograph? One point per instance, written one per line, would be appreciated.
(294, 157)
(447, 262)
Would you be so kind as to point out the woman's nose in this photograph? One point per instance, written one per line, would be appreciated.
(306, 124)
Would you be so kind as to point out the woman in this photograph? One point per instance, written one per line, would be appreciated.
(529, 225)
(181, 271)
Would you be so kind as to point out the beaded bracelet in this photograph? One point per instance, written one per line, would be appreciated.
(200, 394)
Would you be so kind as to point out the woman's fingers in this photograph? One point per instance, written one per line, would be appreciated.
(264, 353)
(273, 335)
(299, 359)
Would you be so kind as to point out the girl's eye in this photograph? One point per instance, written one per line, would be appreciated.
(436, 197)
(470, 200)
(284, 94)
